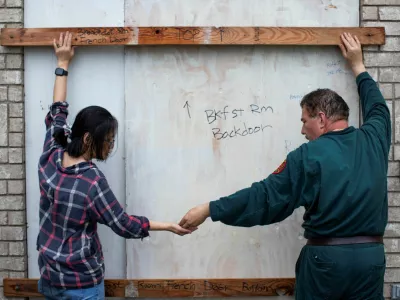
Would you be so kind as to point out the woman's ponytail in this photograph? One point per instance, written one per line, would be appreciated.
(62, 135)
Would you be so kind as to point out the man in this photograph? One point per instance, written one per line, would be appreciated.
(340, 179)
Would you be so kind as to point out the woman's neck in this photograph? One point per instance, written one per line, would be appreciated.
(69, 161)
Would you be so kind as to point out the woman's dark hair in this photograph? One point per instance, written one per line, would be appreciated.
(100, 126)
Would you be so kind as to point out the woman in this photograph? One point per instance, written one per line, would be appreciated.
(75, 196)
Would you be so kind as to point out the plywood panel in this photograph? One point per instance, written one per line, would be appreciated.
(174, 157)
(177, 158)
(336, 13)
(96, 77)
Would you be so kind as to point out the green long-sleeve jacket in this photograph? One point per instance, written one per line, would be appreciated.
(340, 179)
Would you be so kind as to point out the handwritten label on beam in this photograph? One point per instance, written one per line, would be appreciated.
(214, 287)
(103, 36)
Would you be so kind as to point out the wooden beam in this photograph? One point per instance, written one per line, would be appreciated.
(165, 288)
(101, 36)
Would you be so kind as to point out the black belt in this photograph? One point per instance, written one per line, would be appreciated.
(345, 240)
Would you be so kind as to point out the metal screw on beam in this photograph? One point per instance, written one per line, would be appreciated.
(281, 291)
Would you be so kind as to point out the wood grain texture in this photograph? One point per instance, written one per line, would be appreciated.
(157, 288)
(94, 36)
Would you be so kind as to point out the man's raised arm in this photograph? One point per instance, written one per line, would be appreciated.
(376, 115)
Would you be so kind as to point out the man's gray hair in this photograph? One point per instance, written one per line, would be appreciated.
(327, 101)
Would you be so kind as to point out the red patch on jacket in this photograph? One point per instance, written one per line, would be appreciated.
(280, 168)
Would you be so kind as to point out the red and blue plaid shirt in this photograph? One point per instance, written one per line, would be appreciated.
(72, 201)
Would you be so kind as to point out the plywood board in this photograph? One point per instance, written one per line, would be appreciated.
(174, 105)
(96, 77)
(204, 122)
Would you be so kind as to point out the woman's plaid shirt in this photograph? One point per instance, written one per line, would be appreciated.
(72, 201)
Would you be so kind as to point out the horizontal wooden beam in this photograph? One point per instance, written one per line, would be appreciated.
(101, 36)
(165, 288)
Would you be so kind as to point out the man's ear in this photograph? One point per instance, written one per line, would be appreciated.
(322, 119)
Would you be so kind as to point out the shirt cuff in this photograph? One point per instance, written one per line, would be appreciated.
(214, 211)
(145, 227)
(59, 107)
(363, 75)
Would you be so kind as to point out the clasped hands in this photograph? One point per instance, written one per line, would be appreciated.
(193, 218)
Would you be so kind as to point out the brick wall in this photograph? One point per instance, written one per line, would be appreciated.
(12, 184)
(384, 63)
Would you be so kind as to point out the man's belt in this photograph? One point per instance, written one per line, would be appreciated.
(344, 240)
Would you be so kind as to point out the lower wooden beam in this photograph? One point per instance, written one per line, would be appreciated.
(103, 36)
(164, 288)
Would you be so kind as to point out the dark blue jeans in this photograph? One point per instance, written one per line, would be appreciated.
(53, 293)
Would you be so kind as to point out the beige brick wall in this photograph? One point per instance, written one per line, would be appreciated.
(383, 62)
(13, 260)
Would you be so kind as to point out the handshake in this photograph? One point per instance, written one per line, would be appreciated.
(189, 222)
